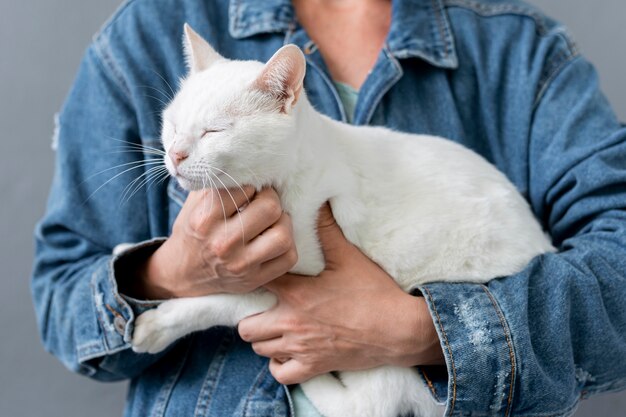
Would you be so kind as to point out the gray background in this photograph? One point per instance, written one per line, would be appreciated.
(41, 42)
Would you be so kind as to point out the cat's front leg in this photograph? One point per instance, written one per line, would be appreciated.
(158, 328)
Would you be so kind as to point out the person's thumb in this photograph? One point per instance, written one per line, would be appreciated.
(330, 235)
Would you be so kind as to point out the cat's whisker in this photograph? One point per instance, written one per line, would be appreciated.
(216, 188)
(235, 203)
(111, 179)
(204, 186)
(134, 148)
(136, 145)
(164, 93)
(164, 176)
(134, 181)
(131, 186)
(165, 104)
(139, 164)
(155, 178)
(131, 189)
(140, 151)
(233, 180)
(203, 202)
(165, 81)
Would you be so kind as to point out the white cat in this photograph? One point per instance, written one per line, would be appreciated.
(424, 208)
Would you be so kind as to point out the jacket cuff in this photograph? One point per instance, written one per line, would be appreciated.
(478, 350)
(115, 312)
(123, 255)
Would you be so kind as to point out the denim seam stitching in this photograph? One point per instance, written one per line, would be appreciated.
(503, 9)
(507, 337)
(546, 82)
(429, 383)
(440, 25)
(166, 392)
(203, 402)
(99, 312)
(251, 392)
(106, 64)
(445, 340)
(386, 87)
(118, 298)
(263, 25)
(331, 87)
(107, 24)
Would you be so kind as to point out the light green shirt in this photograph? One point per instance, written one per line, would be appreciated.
(348, 96)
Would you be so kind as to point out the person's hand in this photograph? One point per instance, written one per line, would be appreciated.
(352, 316)
(217, 247)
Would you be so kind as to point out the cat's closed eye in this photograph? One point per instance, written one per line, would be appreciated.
(207, 132)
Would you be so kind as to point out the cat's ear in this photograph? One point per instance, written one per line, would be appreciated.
(198, 53)
(283, 76)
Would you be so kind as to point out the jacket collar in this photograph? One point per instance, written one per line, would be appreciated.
(419, 28)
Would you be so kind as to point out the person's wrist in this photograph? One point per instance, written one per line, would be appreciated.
(155, 275)
(431, 354)
(419, 342)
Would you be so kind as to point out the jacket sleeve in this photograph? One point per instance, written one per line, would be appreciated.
(555, 332)
(83, 320)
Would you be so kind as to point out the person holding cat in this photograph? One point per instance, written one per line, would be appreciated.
(500, 78)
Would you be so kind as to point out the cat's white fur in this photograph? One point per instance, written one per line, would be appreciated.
(424, 208)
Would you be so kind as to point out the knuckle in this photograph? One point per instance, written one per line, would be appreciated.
(272, 209)
(308, 369)
(283, 240)
(219, 248)
(299, 349)
(281, 376)
(237, 268)
(292, 257)
(197, 222)
(259, 349)
(278, 376)
(294, 325)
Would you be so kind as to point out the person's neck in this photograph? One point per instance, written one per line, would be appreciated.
(348, 33)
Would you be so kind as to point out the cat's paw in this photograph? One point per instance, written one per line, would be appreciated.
(155, 330)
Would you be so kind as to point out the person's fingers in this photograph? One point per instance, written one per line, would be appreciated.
(227, 202)
(330, 235)
(208, 207)
(290, 371)
(263, 326)
(263, 213)
(271, 348)
(273, 242)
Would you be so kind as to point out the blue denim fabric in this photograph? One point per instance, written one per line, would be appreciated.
(496, 76)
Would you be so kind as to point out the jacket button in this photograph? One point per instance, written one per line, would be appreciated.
(120, 324)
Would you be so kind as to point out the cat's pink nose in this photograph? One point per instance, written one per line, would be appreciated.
(177, 156)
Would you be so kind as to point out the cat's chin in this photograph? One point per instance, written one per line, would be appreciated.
(189, 185)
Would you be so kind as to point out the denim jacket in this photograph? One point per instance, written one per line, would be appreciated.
(497, 76)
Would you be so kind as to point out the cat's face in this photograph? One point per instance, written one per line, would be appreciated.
(231, 121)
